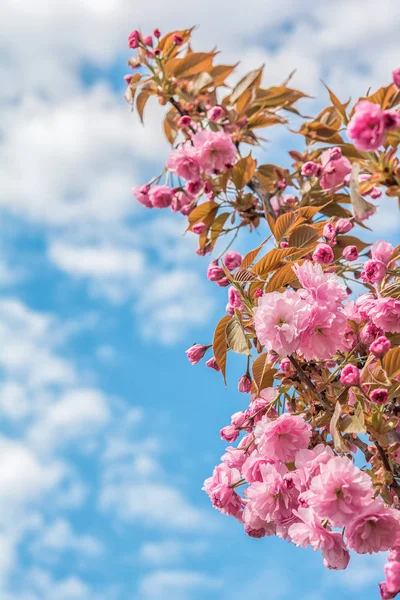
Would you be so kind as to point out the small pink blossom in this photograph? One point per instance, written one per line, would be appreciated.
(196, 352)
(339, 491)
(215, 272)
(215, 113)
(184, 163)
(141, 193)
(272, 499)
(232, 260)
(148, 40)
(324, 335)
(193, 188)
(379, 396)
(373, 529)
(229, 433)
(323, 288)
(373, 271)
(380, 346)
(282, 438)
(133, 39)
(161, 196)
(391, 120)
(199, 228)
(335, 167)
(244, 384)
(157, 33)
(366, 127)
(235, 299)
(234, 457)
(215, 151)
(329, 231)
(177, 39)
(350, 375)
(323, 254)
(219, 489)
(211, 363)
(392, 573)
(350, 253)
(369, 333)
(311, 169)
(185, 121)
(344, 225)
(385, 594)
(279, 319)
(251, 468)
(223, 282)
(385, 314)
(254, 526)
(382, 251)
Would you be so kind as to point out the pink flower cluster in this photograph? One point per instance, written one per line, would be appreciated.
(297, 493)
(309, 321)
(369, 124)
(216, 273)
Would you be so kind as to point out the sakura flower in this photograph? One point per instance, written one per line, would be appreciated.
(232, 260)
(280, 439)
(254, 526)
(366, 127)
(196, 352)
(335, 167)
(382, 251)
(380, 346)
(141, 193)
(279, 319)
(219, 489)
(251, 468)
(215, 151)
(396, 77)
(350, 375)
(184, 163)
(373, 271)
(323, 254)
(350, 253)
(272, 499)
(343, 225)
(325, 334)
(161, 196)
(385, 314)
(392, 573)
(340, 490)
(324, 288)
(373, 529)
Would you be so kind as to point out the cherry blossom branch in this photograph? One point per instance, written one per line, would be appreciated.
(307, 381)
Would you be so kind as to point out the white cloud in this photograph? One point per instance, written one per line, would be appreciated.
(177, 584)
(60, 537)
(170, 551)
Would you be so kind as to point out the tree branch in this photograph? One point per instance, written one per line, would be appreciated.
(264, 196)
(307, 381)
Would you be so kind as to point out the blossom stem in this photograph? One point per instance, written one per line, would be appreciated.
(307, 381)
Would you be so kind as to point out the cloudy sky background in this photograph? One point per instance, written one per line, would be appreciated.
(107, 432)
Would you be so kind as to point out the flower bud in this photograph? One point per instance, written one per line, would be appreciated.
(311, 169)
(350, 253)
(380, 346)
(343, 225)
(215, 113)
(177, 39)
(373, 271)
(185, 121)
(329, 231)
(199, 227)
(244, 384)
(211, 363)
(350, 375)
(379, 396)
(196, 352)
(157, 33)
(323, 254)
(215, 272)
(396, 77)
(232, 260)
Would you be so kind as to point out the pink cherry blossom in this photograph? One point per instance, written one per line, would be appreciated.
(329, 231)
(184, 163)
(161, 196)
(219, 489)
(199, 228)
(308, 463)
(350, 253)
(369, 333)
(235, 299)
(215, 113)
(344, 225)
(229, 433)
(382, 251)
(325, 334)
(385, 314)
(373, 529)
(232, 260)
(279, 319)
(334, 552)
(244, 384)
(272, 499)
(324, 288)
(141, 193)
(339, 491)
(211, 363)
(215, 151)
(323, 254)
(196, 352)
(379, 396)
(280, 439)
(234, 457)
(366, 127)
(380, 346)
(373, 271)
(311, 169)
(392, 573)
(251, 468)
(254, 526)
(335, 167)
(215, 272)
(350, 375)
(396, 77)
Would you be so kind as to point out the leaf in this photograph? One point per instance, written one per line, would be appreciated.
(131, 89)
(243, 171)
(235, 336)
(303, 236)
(350, 240)
(260, 119)
(263, 373)
(308, 212)
(166, 43)
(271, 260)
(200, 212)
(337, 104)
(280, 278)
(250, 256)
(338, 441)
(354, 423)
(278, 96)
(141, 102)
(220, 72)
(361, 207)
(244, 276)
(220, 344)
(250, 80)
(320, 132)
(191, 64)
(217, 226)
(284, 224)
(391, 362)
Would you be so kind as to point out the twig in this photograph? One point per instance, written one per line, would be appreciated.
(307, 381)
(264, 196)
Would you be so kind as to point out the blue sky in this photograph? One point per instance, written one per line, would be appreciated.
(107, 432)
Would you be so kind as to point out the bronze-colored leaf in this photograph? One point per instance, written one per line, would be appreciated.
(217, 227)
(285, 223)
(220, 344)
(250, 256)
(243, 171)
(220, 72)
(244, 276)
(235, 336)
(142, 101)
(354, 423)
(199, 213)
(341, 108)
(303, 236)
(280, 278)
(250, 80)
(263, 373)
(191, 64)
(350, 240)
(391, 363)
(271, 260)
(308, 212)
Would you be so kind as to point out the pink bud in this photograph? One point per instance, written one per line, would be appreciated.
(157, 33)
(141, 193)
(373, 271)
(323, 254)
(214, 272)
(229, 433)
(128, 79)
(232, 260)
(350, 253)
(286, 366)
(161, 196)
(223, 282)
(133, 39)
(382, 251)
(329, 231)
(148, 41)
(284, 244)
(380, 346)
(211, 363)
(229, 309)
(350, 375)
(311, 169)
(343, 225)
(235, 298)
(185, 121)
(196, 352)
(379, 396)
(177, 39)
(385, 594)
(375, 193)
(281, 184)
(258, 293)
(194, 187)
(215, 113)
(199, 227)
(391, 120)
(335, 153)
(396, 77)
(244, 384)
